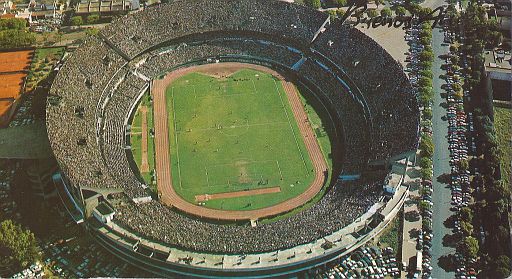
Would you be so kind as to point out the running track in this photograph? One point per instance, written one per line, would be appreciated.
(163, 161)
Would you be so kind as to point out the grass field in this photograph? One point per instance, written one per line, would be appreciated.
(502, 120)
(321, 123)
(42, 65)
(235, 134)
(136, 141)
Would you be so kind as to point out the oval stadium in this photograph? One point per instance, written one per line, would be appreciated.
(231, 138)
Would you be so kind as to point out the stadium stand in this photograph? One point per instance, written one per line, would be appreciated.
(96, 90)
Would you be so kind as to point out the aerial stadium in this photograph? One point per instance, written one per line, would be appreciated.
(231, 137)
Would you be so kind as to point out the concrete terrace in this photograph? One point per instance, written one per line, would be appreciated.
(345, 240)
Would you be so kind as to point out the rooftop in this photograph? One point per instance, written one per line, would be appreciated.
(104, 209)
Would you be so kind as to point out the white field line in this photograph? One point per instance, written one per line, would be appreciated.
(176, 137)
(291, 128)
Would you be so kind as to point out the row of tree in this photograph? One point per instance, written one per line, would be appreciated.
(13, 24)
(487, 235)
(425, 98)
(14, 34)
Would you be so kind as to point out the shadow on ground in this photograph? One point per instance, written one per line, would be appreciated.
(450, 222)
(450, 240)
(447, 262)
(444, 178)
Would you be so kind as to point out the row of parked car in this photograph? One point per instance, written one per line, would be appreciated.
(24, 114)
(366, 262)
(82, 258)
(34, 271)
(7, 205)
(458, 128)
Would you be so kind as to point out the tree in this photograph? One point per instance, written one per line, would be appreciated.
(423, 206)
(18, 247)
(93, 18)
(425, 100)
(426, 73)
(503, 266)
(427, 114)
(401, 11)
(456, 87)
(13, 23)
(426, 174)
(426, 224)
(426, 55)
(340, 12)
(470, 246)
(464, 164)
(378, 2)
(425, 162)
(77, 21)
(413, 8)
(454, 59)
(14, 38)
(426, 147)
(426, 91)
(412, 216)
(372, 13)
(341, 3)
(466, 214)
(315, 4)
(332, 14)
(423, 12)
(458, 95)
(425, 33)
(386, 12)
(425, 82)
(502, 272)
(494, 39)
(92, 31)
(425, 41)
(466, 228)
(426, 64)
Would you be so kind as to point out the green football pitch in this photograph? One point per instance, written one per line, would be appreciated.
(235, 134)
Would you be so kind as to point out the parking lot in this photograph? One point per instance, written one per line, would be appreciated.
(367, 262)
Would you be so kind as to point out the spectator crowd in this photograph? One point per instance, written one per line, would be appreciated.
(98, 87)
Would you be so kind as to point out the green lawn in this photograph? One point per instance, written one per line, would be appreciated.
(42, 64)
(232, 135)
(502, 120)
(136, 140)
(391, 235)
(319, 118)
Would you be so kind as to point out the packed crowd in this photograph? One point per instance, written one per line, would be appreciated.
(136, 33)
(97, 89)
(385, 87)
(160, 62)
(114, 145)
(353, 123)
(338, 208)
(71, 120)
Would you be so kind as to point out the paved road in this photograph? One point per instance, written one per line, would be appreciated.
(442, 194)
